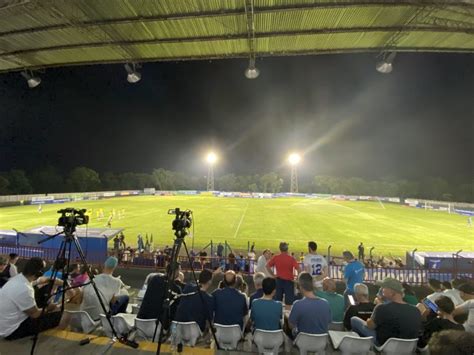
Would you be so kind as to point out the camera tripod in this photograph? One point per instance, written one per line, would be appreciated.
(62, 263)
(180, 225)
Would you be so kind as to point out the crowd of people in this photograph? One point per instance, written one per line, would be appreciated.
(289, 295)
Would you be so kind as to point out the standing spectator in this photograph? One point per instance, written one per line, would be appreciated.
(220, 250)
(122, 241)
(251, 258)
(285, 266)
(257, 281)
(267, 313)
(116, 246)
(109, 290)
(353, 273)
(191, 308)
(444, 321)
(311, 314)
(335, 300)
(316, 265)
(231, 263)
(140, 244)
(262, 262)
(437, 288)
(252, 248)
(230, 305)
(395, 319)
(361, 253)
(362, 307)
(466, 292)
(19, 313)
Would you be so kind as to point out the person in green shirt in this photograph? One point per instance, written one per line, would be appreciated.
(409, 296)
(336, 301)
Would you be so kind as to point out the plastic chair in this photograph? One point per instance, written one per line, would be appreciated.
(121, 325)
(228, 336)
(106, 326)
(268, 341)
(311, 343)
(350, 342)
(398, 346)
(81, 321)
(338, 326)
(146, 329)
(187, 333)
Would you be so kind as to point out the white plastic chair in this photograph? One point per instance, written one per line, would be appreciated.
(81, 321)
(146, 329)
(350, 342)
(338, 326)
(228, 336)
(311, 343)
(122, 324)
(268, 341)
(187, 333)
(106, 326)
(398, 346)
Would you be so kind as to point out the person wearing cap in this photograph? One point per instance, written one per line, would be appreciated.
(395, 319)
(284, 265)
(230, 305)
(466, 291)
(353, 274)
(109, 289)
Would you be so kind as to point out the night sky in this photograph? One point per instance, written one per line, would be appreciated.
(348, 119)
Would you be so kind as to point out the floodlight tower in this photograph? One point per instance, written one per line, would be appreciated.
(294, 159)
(211, 159)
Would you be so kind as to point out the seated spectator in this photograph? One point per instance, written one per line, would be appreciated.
(152, 303)
(395, 319)
(257, 281)
(466, 292)
(266, 314)
(335, 300)
(437, 289)
(79, 275)
(451, 342)
(409, 296)
(444, 321)
(241, 285)
(4, 271)
(230, 305)
(446, 285)
(191, 307)
(311, 314)
(454, 293)
(180, 280)
(12, 260)
(109, 289)
(362, 307)
(19, 314)
(231, 263)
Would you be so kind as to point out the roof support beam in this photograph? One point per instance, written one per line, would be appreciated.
(397, 29)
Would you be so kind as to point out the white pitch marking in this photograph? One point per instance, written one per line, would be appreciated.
(241, 219)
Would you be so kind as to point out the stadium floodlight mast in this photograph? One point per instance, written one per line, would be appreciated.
(294, 159)
(211, 159)
(385, 66)
(33, 81)
(133, 75)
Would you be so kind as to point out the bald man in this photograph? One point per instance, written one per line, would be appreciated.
(230, 304)
(336, 301)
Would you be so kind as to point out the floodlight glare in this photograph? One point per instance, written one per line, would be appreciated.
(294, 158)
(252, 72)
(33, 81)
(133, 76)
(211, 158)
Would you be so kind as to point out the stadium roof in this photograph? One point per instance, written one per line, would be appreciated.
(45, 33)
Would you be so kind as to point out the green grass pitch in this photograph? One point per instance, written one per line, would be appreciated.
(391, 229)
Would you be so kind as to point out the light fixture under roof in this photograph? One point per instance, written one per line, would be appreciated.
(133, 75)
(385, 66)
(33, 81)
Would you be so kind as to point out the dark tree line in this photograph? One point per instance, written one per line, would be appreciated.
(83, 179)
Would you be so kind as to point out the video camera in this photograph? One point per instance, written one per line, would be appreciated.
(182, 221)
(72, 217)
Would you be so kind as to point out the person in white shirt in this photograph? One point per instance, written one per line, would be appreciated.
(454, 293)
(316, 265)
(12, 259)
(109, 288)
(467, 294)
(437, 288)
(262, 262)
(19, 314)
